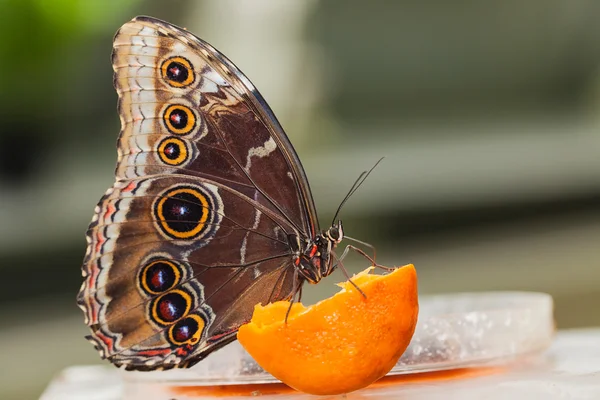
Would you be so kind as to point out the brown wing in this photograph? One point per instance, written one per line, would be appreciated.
(195, 230)
(167, 249)
(186, 109)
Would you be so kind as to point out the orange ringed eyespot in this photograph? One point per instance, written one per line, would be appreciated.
(183, 212)
(171, 307)
(178, 72)
(179, 119)
(173, 151)
(187, 330)
(159, 276)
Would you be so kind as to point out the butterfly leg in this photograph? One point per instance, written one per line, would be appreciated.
(345, 272)
(365, 255)
(297, 296)
(369, 245)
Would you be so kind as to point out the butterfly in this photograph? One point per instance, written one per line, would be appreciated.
(211, 211)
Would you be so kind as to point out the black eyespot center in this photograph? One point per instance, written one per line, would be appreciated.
(177, 72)
(178, 118)
(172, 151)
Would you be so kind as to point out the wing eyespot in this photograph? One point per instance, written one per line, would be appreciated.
(170, 307)
(179, 119)
(178, 72)
(159, 276)
(173, 151)
(186, 331)
(182, 213)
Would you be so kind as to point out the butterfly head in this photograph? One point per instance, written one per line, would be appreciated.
(318, 256)
(335, 234)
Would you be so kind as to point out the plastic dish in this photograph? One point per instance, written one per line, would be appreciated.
(454, 331)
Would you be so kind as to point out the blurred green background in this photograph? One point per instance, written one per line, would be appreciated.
(488, 114)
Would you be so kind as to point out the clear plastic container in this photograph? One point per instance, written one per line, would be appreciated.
(454, 331)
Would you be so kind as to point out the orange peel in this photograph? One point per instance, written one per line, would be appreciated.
(342, 343)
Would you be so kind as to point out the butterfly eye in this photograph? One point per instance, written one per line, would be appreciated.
(182, 213)
(334, 233)
(178, 72)
(179, 119)
(171, 307)
(173, 151)
(159, 276)
(187, 330)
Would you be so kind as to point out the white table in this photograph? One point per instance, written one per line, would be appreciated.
(569, 369)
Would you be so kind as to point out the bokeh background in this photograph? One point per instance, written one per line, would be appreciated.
(488, 115)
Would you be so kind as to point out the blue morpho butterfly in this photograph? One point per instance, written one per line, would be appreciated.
(211, 212)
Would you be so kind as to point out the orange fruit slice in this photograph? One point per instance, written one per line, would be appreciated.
(342, 343)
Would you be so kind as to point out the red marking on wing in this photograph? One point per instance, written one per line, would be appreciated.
(154, 352)
(182, 351)
(109, 211)
(99, 241)
(108, 341)
(220, 335)
(129, 187)
(94, 307)
(93, 275)
(92, 282)
(313, 251)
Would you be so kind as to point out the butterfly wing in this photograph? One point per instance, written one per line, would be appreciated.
(195, 230)
(163, 291)
(185, 108)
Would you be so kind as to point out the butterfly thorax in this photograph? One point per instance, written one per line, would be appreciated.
(313, 259)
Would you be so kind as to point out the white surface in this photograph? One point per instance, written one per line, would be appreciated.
(569, 369)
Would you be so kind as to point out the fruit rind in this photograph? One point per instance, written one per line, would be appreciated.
(342, 343)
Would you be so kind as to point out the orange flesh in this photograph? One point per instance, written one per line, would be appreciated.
(342, 343)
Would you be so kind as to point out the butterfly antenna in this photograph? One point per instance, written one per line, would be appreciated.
(347, 196)
(359, 181)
